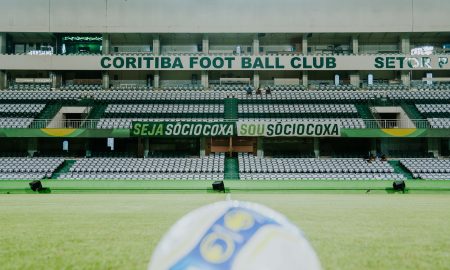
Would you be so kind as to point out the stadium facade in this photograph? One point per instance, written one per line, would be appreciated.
(97, 81)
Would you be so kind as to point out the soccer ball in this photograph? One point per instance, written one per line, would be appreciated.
(234, 235)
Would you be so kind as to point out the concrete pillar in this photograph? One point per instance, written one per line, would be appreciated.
(256, 79)
(305, 78)
(205, 79)
(255, 45)
(2, 43)
(355, 45)
(448, 145)
(384, 145)
(373, 147)
(316, 147)
(3, 80)
(53, 79)
(59, 80)
(260, 147)
(156, 80)
(32, 146)
(405, 46)
(105, 79)
(87, 148)
(305, 44)
(354, 78)
(406, 77)
(146, 147)
(156, 46)
(106, 43)
(205, 45)
(433, 146)
(202, 146)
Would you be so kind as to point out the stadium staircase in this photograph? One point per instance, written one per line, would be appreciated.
(49, 111)
(96, 113)
(231, 109)
(398, 168)
(63, 168)
(364, 112)
(412, 111)
(231, 169)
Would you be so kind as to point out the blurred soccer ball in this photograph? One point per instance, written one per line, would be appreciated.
(234, 235)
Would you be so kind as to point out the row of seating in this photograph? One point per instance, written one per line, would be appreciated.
(297, 108)
(439, 122)
(433, 87)
(158, 95)
(164, 108)
(24, 176)
(286, 87)
(344, 122)
(39, 95)
(211, 95)
(326, 97)
(212, 168)
(387, 87)
(432, 176)
(29, 165)
(433, 108)
(109, 123)
(29, 87)
(15, 122)
(427, 165)
(232, 87)
(343, 87)
(134, 87)
(142, 176)
(212, 163)
(189, 87)
(81, 87)
(250, 163)
(321, 176)
(419, 95)
(21, 108)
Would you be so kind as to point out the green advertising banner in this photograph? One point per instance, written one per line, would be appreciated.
(195, 129)
(200, 129)
(289, 129)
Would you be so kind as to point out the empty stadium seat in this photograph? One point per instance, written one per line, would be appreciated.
(254, 168)
(428, 168)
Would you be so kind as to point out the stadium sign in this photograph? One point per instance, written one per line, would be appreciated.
(240, 128)
(218, 62)
(289, 129)
(290, 62)
(413, 62)
(168, 129)
(281, 62)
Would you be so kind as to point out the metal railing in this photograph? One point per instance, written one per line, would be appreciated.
(394, 123)
(66, 123)
(92, 123)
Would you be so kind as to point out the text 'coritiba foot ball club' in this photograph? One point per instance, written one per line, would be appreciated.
(234, 235)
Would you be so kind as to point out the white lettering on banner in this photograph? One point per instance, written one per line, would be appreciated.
(289, 129)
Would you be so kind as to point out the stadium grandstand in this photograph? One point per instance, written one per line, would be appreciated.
(105, 96)
(296, 128)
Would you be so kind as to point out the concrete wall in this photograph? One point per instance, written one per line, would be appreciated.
(216, 16)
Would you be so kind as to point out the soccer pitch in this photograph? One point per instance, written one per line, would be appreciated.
(120, 231)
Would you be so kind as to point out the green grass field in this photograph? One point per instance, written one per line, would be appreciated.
(120, 231)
